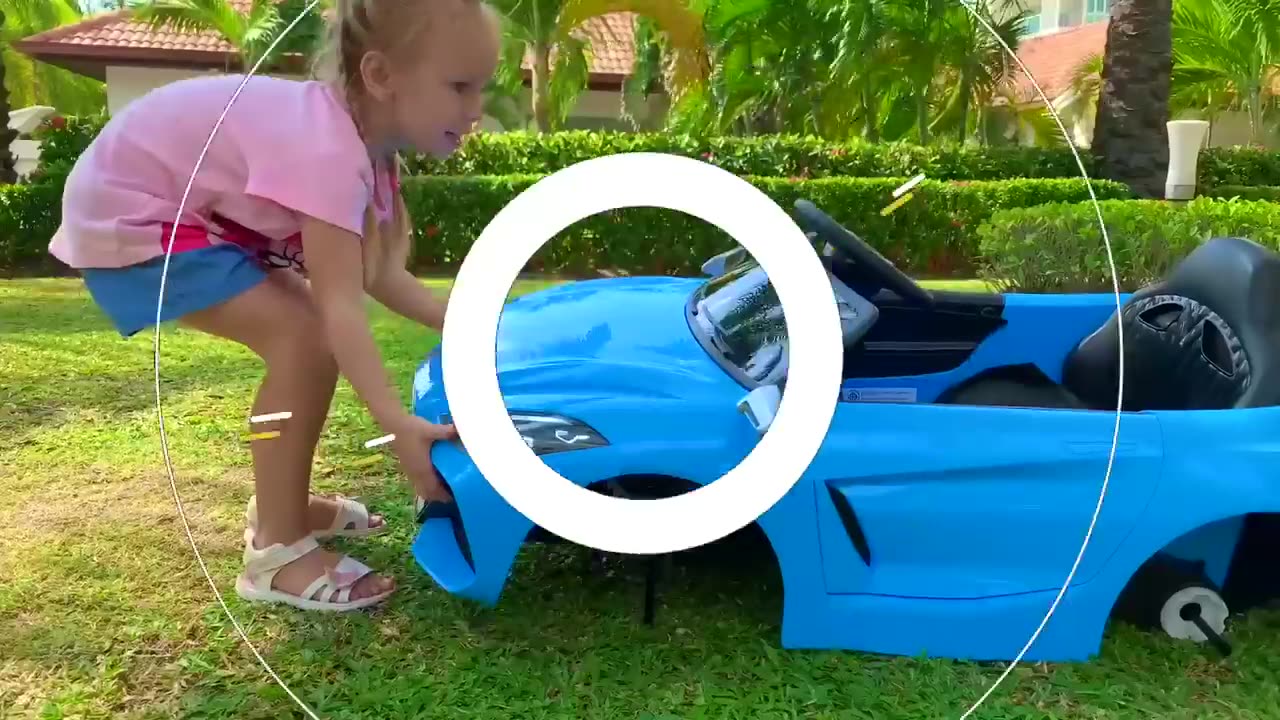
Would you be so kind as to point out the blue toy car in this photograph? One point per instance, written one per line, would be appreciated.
(963, 467)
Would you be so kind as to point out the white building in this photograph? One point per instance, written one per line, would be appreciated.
(1063, 35)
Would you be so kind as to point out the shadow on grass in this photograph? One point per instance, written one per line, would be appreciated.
(33, 402)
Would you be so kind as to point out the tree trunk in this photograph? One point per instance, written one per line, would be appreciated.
(541, 87)
(922, 115)
(870, 115)
(1130, 141)
(8, 172)
(1255, 116)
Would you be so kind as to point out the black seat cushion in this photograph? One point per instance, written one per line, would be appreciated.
(1207, 337)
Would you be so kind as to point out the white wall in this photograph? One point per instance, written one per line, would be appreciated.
(126, 84)
(1228, 129)
(596, 109)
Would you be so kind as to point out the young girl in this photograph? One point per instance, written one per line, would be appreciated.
(293, 166)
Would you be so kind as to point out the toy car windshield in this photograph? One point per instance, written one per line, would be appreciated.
(739, 315)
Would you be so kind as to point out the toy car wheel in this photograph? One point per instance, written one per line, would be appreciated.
(1180, 611)
(1176, 597)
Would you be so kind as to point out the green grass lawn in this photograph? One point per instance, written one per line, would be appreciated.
(104, 612)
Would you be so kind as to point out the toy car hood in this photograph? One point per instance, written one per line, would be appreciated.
(572, 341)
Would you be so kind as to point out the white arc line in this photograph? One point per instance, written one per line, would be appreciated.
(1115, 438)
(164, 441)
(908, 185)
(380, 441)
(270, 416)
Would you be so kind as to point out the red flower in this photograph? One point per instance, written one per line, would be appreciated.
(58, 122)
(432, 231)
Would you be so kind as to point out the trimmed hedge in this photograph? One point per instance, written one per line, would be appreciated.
(804, 157)
(522, 153)
(1059, 248)
(934, 234)
(1269, 193)
(29, 216)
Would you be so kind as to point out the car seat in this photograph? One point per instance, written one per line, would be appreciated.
(1205, 338)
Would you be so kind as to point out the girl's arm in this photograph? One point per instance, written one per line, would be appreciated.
(395, 286)
(334, 262)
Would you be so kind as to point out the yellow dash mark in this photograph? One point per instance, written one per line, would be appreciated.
(367, 461)
(897, 204)
(269, 435)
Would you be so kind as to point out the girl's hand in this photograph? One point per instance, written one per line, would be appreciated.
(412, 446)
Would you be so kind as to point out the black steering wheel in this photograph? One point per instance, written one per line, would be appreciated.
(884, 273)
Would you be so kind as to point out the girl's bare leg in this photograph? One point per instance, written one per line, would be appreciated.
(321, 511)
(277, 321)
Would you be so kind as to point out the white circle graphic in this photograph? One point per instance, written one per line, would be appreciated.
(710, 512)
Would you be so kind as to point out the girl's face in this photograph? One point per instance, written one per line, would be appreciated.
(437, 96)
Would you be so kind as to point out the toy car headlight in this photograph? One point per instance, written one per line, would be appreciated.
(546, 434)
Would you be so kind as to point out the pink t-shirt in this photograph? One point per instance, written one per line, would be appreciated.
(286, 149)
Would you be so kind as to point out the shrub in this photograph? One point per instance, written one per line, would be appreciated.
(29, 216)
(1059, 247)
(932, 234)
(522, 153)
(1241, 166)
(1265, 192)
(62, 143)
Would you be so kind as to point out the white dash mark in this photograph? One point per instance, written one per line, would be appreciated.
(380, 441)
(270, 416)
(908, 185)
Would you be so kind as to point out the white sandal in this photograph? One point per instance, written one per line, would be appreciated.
(352, 519)
(331, 591)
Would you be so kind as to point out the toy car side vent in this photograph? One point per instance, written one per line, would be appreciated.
(852, 527)
(1162, 316)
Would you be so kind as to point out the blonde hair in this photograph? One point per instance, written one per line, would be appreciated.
(358, 27)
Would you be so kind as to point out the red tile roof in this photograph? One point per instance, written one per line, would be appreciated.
(1051, 59)
(114, 38)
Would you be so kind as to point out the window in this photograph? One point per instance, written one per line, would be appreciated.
(1034, 12)
(1097, 10)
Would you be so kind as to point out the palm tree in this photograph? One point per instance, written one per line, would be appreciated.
(820, 67)
(251, 30)
(8, 171)
(549, 33)
(34, 83)
(864, 83)
(1227, 55)
(1130, 140)
(1086, 85)
(976, 63)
